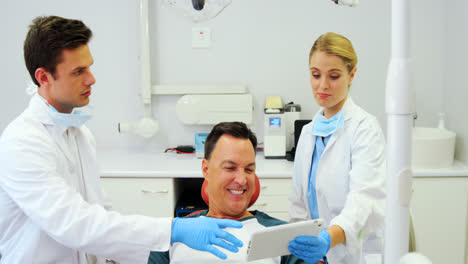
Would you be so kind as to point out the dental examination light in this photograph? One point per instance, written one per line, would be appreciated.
(346, 2)
(198, 4)
(198, 10)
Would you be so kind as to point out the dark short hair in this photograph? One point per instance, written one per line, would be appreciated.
(46, 39)
(235, 129)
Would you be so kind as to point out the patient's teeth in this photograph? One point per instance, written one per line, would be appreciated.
(236, 192)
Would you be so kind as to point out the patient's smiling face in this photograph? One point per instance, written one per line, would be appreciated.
(230, 173)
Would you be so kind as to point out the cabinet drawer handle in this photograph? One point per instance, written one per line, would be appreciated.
(261, 204)
(149, 192)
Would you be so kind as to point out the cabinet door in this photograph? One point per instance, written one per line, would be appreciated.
(276, 203)
(275, 186)
(439, 210)
(273, 198)
(143, 196)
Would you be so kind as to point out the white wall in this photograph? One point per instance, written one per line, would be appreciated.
(426, 40)
(455, 88)
(263, 44)
(114, 48)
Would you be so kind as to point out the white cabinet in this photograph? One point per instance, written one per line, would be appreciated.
(156, 196)
(273, 199)
(143, 196)
(439, 207)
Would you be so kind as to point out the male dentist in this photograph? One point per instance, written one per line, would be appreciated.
(51, 200)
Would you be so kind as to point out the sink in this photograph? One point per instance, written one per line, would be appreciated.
(433, 148)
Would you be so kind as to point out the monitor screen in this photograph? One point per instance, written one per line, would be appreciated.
(275, 121)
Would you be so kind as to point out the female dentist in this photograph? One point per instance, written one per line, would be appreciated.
(339, 170)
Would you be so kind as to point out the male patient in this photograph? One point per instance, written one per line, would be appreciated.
(229, 169)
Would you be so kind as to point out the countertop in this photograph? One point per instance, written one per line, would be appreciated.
(118, 163)
(458, 169)
(115, 163)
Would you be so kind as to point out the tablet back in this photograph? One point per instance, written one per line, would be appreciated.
(274, 241)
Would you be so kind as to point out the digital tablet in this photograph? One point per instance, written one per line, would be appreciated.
(274, 241)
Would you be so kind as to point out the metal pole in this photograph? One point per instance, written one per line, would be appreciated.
(399, 108)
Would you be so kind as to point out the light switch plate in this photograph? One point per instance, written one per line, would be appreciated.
(201, 38)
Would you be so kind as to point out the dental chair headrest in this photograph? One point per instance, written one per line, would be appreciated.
(254, 197)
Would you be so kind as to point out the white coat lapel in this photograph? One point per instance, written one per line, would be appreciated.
(332, 139)
(39, 108)
(63, 145)
(308, 156)
(347, 109)
(89, 168)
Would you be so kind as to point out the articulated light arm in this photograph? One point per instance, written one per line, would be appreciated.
(147, 126)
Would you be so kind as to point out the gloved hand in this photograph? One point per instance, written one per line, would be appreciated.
(311, 248)
(201, 233)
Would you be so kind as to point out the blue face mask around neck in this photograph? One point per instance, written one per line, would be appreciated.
(75, 119)
(324, 127)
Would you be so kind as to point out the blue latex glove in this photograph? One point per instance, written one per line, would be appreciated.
(201, 233)
(311, 248)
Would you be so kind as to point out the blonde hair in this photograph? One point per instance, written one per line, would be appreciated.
(338, 45)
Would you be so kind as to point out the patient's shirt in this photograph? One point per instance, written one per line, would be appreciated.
(180, 253)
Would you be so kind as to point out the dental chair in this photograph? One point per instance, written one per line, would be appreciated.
(205, 197)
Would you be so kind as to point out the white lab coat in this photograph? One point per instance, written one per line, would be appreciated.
(51, 200)
(350, 183)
